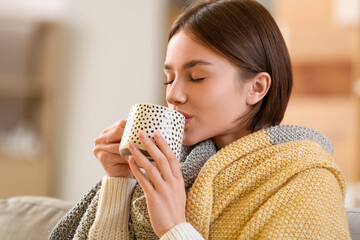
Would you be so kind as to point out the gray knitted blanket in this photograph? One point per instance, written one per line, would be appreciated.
(77, 222)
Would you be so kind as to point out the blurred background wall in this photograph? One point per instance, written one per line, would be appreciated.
(68, 69)
(113, 54)
(104, 57)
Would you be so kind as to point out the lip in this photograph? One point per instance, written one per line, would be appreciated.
(187, 117)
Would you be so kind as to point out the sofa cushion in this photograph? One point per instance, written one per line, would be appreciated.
(30, 217)
(353, 215)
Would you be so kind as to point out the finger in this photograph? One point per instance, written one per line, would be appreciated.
(120, 124)
(112, 136)
(140, 177)
(152, 172)
(155, 153)
(111, 148)
(174, 163)
(114, 165)
(110, 159)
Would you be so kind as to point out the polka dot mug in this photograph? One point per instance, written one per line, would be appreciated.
(150, 118)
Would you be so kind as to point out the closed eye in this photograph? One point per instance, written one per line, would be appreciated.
(168, 82)
(191, 79)
(197, 79)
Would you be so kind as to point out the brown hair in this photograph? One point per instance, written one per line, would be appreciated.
(245, 33)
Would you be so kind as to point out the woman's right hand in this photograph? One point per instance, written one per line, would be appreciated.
(106, 149)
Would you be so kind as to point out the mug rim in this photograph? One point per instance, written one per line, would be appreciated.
(157, 105)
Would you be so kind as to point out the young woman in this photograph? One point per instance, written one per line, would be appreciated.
(241, 175)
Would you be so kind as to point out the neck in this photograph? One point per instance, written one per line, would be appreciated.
(225, 139)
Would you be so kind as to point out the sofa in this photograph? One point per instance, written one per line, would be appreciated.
(32, 217)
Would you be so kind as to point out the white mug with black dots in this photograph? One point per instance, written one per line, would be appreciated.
(150, 118)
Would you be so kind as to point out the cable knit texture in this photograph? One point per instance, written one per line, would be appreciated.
(114, 204)
(277, 183)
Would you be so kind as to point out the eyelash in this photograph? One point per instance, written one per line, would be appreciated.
(191, 79)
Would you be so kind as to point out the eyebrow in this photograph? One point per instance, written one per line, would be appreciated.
(189, 64)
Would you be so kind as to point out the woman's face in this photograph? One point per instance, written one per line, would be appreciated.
(207, 89)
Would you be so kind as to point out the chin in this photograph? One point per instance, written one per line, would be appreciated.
(190, 141)
(186, 141)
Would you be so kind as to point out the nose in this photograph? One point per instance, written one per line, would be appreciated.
(175, 93)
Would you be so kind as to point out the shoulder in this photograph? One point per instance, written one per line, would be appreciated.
(319, 181)
(311, 202)
(287, 133)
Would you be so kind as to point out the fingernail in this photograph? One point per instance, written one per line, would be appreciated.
(132, 146)
(157, 135)
(143, 136)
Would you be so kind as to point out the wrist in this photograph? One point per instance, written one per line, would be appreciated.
(182, 231)
(120, 174)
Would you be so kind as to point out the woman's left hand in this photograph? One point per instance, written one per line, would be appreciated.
(164, 188)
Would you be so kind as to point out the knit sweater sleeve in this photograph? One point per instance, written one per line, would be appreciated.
(182, 231)
(112, 216)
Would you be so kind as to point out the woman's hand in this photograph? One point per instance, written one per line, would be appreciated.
(106, 149)
(164, 188)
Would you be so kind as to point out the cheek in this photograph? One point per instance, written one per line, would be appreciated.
(223, 106)
(217, 99)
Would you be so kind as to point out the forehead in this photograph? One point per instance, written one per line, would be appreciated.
(182, 47)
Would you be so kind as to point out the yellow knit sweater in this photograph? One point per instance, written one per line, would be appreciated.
(255, 189)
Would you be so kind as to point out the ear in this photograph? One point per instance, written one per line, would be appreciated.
(259, 86)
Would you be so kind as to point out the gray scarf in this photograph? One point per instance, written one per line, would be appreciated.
(78, 221)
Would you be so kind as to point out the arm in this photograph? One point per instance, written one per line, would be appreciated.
(112, 216)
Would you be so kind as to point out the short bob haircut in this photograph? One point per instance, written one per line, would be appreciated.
(245, 33)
